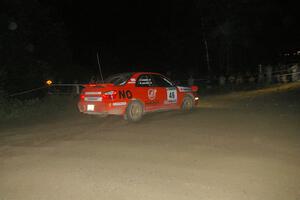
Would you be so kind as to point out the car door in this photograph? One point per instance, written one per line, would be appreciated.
(146, 92)
(166, 92)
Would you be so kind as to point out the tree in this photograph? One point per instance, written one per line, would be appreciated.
(32, 44)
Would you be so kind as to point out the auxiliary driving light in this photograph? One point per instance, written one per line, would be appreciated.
(49, 82)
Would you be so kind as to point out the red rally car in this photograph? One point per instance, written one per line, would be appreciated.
(134, 94)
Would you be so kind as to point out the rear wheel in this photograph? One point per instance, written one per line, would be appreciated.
(187, 103)
(134, 111)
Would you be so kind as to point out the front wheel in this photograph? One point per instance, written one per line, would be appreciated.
(134, 111)
(187, 103)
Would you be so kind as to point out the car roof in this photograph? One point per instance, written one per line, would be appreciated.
(139, 73)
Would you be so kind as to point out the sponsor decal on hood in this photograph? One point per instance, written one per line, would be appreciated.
(184, 89)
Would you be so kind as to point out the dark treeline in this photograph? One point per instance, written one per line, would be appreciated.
(33, 45)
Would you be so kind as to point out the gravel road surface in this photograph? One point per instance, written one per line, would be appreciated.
(242, 146)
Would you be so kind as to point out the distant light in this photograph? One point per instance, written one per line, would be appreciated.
(196, 98)
(12, 26)
(30, 47)
(49, 82)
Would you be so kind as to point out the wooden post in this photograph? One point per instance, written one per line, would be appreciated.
(77, 89)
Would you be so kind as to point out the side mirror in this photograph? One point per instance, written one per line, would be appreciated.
(194, 88)
(176, 83)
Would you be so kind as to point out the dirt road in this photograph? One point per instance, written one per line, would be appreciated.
(238, 147)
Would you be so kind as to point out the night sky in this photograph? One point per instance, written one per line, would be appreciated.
(163, 35)
(168, 36)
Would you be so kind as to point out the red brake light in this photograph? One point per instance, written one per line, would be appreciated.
(110, 95)
(82, 96)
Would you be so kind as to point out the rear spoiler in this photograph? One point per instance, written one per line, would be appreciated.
(98, 85)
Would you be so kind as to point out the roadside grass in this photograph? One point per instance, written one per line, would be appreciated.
(222, 99)
(262, 91)
(14, 111)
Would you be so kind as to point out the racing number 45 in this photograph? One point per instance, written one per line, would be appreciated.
(172, 94)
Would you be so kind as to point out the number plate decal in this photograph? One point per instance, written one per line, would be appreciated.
(171, 95)
(90, 107)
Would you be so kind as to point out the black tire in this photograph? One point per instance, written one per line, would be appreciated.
(134, 111)
(187, 104)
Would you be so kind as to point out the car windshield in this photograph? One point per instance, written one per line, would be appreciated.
(118, 79)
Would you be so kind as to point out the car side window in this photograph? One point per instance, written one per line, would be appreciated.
(160, 81)
(144, 80)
